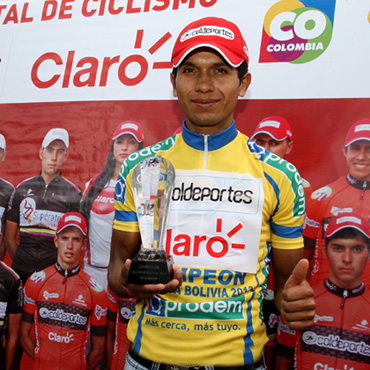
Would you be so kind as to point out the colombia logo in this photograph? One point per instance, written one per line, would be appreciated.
(297, 31)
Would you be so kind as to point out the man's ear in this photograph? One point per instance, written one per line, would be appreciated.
(41, 153)
(289, 147)
(55, 241)
(173, 82)
(344, 149)
(244, 84)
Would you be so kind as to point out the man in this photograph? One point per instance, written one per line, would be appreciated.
(11, 302)
(6, 189)
(226, 193)
(274, 133)
(37, 205)
(65, 304)
(348, 194)
(340, 336)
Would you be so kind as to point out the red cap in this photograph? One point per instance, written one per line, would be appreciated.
(131, 128)
(360, 130)
(348, 221)
(72, 219)
(215, 33)
(276, 127)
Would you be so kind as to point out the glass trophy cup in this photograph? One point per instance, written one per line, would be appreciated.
(152, 183)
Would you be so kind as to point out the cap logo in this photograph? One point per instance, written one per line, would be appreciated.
(208, 31)
(73, 218)
(348, 219)
(129, 126)
(275, 124)
(362, 128)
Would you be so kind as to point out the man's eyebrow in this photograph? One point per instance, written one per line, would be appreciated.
(218, 64)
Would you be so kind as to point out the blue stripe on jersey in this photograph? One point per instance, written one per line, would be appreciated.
(215, 141)
(286, 232)
(276, 190)
(139, 333)
(248, 342)
(125, 216)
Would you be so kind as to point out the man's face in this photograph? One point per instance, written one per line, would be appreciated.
(53, 157)
(69, 242)
(208, 89)
(280, 148)
(358, 159)
(347, 258)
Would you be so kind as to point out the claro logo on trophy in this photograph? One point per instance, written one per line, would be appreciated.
(152, 183)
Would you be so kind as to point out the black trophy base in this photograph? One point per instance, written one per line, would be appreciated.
(148, 272)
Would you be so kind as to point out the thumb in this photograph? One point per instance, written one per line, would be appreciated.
(298, 275)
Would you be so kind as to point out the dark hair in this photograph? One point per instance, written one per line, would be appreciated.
(100, 182)
(242, 70)
(348, 233)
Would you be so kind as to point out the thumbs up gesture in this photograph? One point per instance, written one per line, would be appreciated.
(298, 303)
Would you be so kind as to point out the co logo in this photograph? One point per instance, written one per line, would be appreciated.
(308, 25)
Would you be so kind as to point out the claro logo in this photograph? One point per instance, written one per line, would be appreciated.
(295, 33)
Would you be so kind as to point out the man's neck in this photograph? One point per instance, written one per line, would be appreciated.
(49, 178)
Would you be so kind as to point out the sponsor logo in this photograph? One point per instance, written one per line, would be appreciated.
(336, 210)
(320, 366)
(322, 193)
(28, 299)
(228, 309)
(38, 277)
(27, 208)
(125, 313)
(95, 286)
(104, 202)
(99, 312)
(61, 315)
(48, 295)
(311, 223)
(296, 182)
(336, 343)
(68, 338)
(195, 193)
(364, 325)
(80, 300)
(297, 31)
(323, 318)
(214, 246)
(208, 31)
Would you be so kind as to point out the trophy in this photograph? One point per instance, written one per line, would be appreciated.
(152, 183)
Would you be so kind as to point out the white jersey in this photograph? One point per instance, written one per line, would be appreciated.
(100, 226)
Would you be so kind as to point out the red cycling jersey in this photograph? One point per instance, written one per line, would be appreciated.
(64, 304)
(346, 195)
(340, 336)
(120, 311)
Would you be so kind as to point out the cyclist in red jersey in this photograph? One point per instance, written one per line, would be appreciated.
(65, 304)
(348, 194)
(275, 134)
(119, 313)
(340, 336)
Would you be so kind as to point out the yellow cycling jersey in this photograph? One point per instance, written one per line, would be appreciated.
(232, 202)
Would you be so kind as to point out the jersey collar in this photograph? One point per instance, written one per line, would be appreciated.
(67, 273)
(216, 141)
(347, 293)
(358, 184)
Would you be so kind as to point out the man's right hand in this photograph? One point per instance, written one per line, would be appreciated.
(148, 290)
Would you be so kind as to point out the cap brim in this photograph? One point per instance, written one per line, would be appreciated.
(269, 134)
(71, 225)
(127, 133)
(231, 58)
(357, 139)
(347, 227)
